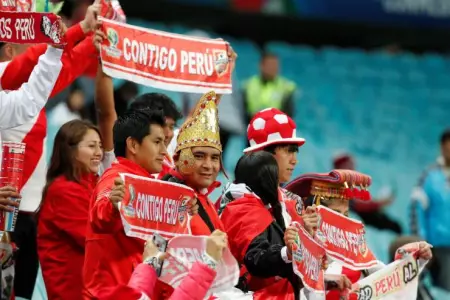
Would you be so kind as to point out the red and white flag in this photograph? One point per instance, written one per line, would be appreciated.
(165, 60)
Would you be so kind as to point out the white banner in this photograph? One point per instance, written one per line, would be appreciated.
(184, 251)
(397, 281)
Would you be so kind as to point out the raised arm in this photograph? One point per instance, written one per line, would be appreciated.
(20, 106)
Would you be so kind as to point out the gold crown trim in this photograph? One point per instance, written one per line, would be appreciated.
(202, 128)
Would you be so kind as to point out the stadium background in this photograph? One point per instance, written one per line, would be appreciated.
(387, 109)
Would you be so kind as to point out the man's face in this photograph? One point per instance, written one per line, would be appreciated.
(348, 164)
(150, 153)
(445, 150)
(168, 130)
(286, 157)
(206, 167)
(269, 67)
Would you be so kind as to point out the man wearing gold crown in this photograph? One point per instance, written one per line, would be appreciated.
(198, 160)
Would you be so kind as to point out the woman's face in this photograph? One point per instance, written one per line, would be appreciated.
(341, 206)
(90, 152)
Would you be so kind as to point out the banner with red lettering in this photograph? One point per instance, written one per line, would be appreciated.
(17, 5)
(344, 240)
(307, 259)
(184, 251)
(165, 60)
(396, 281)
(153, 206)
(30, 28)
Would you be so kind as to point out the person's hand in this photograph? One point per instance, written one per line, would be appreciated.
(311, 219)
(117, 192)
(216, 244)
(337, 282)
(423, 250)
(192, 206)
(6, 193)
(90, 20)
(99, 37)
(324, 263)
(232, 57)
(290, 235)
(151, 250)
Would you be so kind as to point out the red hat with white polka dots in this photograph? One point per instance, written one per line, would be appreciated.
(269, 127)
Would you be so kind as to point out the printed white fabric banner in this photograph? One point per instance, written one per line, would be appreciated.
(397, 281)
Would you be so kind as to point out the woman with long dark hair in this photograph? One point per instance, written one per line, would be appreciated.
(71, 178)
(255, 221)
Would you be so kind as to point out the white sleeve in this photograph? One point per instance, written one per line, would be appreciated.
(20, 106)
(284, 255)
(108, 158)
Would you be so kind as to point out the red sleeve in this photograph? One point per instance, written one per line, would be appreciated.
(143, 279)
(19, 69)
(70, 203)
(196, 284)
(243, 220)
(103, 216)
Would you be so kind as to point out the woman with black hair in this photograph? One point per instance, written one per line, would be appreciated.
(255, 222)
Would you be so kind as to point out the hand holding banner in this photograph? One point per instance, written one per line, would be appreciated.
(31, 28)
(154, 206)
(184, 251)
(344, 240)
(307, 261)
(166, 60)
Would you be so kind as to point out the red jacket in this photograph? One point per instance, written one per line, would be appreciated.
(244, 219)
(193, 287)
(110, 256)
(62, 235)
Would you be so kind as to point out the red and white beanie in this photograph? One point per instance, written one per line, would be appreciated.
(271, 126)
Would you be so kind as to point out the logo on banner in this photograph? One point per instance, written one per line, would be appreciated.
(113, 38)
(220, 61)
(129, 210)
(50, 30)
(362, 243)
(182, 209)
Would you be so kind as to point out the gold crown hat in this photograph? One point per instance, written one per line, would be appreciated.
(201, 129)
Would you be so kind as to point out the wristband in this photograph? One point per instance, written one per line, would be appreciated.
(209, 261)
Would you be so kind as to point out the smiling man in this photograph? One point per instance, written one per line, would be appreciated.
(198, 160)
(109, 254)
(157, 101)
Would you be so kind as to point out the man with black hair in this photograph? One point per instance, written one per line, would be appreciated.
(431, 211)
(110, 255)
(157, 101)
